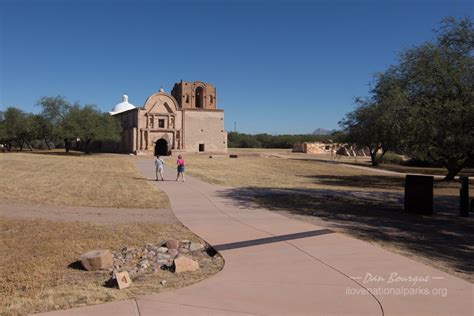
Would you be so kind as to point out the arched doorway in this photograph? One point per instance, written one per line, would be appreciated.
(161, 147)
(199, 97)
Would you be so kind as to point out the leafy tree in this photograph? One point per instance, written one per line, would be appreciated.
(375, 123)
(3, 132)
(54, 110)
(43, 129)
(439, 81)
(424, 105)
(363, 125)
(339, 137)
(18, 127)
(89, 124)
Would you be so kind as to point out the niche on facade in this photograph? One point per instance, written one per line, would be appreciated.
(161, 123)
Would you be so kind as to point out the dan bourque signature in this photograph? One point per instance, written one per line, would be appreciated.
(395, 277)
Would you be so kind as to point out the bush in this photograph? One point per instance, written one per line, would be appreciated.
(41, 145)
(391, 157)
(35, 143)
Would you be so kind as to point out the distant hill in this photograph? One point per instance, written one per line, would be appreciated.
(322, 131)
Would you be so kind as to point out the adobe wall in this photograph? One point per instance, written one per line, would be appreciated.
(204, 127)
(314, 148)
(129, 122)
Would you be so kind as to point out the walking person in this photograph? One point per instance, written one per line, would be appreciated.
(180, 163)
(159, 168)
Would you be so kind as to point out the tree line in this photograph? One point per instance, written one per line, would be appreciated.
(241, 140)
(423, 106)
(58, 123)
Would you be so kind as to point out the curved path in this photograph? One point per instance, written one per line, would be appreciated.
(278, 266)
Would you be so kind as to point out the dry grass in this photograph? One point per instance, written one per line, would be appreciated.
(76, 180)
(34, 263)
(109, 201)
(262, 169)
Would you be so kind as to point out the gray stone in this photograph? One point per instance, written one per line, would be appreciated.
(163, 256)
(184, 244)
(162, 250)
(144, 264)
(195, 247)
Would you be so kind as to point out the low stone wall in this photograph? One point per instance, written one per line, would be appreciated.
(330, 148)
(315, 148)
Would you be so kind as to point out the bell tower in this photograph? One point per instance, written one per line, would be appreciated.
(195, 95)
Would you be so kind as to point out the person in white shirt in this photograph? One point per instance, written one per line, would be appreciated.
(159, 168)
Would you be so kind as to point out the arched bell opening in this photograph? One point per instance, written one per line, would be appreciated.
(199, 97)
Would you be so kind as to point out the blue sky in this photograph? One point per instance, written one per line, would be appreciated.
(278, 66)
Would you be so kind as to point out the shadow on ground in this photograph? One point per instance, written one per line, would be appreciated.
(377, 182)
(388, 182)
(76, 265)
(443, 240)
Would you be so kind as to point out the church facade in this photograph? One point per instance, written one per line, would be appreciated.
(186, 120)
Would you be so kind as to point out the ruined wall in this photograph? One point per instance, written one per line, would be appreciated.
(317, 148)
(330, 148)
(314, 148)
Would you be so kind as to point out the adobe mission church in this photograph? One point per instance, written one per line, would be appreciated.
(187, 120)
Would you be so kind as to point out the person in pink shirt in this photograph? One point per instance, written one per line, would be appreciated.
(180, 164)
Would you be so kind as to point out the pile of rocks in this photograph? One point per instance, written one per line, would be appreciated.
(152, 258)
(173, 255)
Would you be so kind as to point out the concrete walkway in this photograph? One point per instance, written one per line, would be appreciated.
(278, 266)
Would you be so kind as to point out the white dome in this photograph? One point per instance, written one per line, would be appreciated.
(122, 106)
